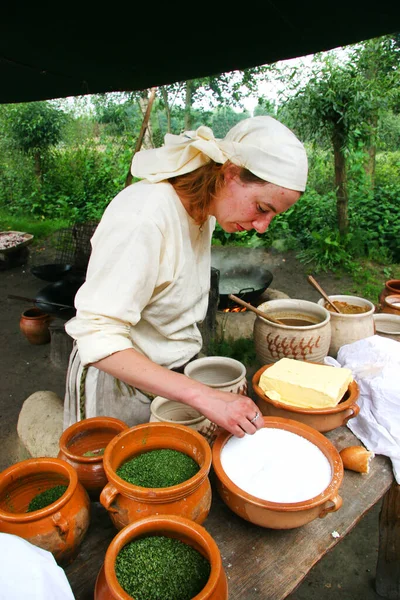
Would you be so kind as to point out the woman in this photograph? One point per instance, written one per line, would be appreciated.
(148, 277)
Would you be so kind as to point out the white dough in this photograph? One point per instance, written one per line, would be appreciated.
(276, 465)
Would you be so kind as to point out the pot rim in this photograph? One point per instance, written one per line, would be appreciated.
(356, 299)
(40, 314)
(340, 407)
(87, 425)
(391, 319)
(164, 494)
(207, 360)
(273, 304)
(313, 436)
(163, 523)
(389, 284)
(390, 299)
(161, 400)
(38, 465)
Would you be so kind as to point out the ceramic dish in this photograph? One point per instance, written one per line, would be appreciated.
(324, 419)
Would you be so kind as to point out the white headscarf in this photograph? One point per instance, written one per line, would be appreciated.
(262, 145)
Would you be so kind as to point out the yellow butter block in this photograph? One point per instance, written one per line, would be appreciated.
(305, 385)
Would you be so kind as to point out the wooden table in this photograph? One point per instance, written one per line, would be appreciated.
(260, 563)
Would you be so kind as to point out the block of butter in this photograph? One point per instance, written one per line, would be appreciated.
(304, 384)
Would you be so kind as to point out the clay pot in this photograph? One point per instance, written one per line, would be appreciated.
(89, 435)
(59, 527)
(168, 411)
(391, 304)
(127, 503)
(279, 515)
(219, 372)
(34, 324)
(348, 328)
(392, 286)
(311, 342)
(324, 419)
(216, 588)
(387, 325)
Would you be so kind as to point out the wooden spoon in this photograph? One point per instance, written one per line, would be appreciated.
(323, 294)
(260, 313)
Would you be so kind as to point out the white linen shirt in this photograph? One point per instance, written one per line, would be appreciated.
(148, 279)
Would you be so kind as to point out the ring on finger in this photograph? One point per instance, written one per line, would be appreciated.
(255, 417)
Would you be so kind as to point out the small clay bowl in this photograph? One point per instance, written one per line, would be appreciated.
(280, 515)
(323, 419)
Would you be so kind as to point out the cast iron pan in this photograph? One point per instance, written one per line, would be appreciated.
(245, 282)
(51, 272)
(59, 292)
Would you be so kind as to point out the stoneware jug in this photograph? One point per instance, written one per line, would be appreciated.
(348, 328)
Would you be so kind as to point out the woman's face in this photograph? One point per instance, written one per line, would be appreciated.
(245, 206)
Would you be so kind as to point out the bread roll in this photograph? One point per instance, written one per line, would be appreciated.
(356, 458)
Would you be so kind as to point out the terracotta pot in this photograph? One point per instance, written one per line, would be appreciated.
(273, 342)
(219, 372)
(34, 324)
(279, 515)
(387, 325)
(324, 419)
(392, 286)
(391, 304)
(89, 435)
(216, 588)
(127, 503)
(168, 411)
(348, 328)
(59, 527)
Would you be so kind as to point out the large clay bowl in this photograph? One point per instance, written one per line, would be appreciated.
(323, 420)
(216, 588)
(279, 515)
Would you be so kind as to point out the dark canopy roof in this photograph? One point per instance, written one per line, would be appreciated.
(54, 50)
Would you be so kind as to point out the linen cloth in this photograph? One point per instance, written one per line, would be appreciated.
(29, 572)
(261, 144)
(375, 363)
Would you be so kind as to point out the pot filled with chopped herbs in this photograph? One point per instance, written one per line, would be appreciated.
(164, 557)
(157, 468)
(42, 501)
(83, 444)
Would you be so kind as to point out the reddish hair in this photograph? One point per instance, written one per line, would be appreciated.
(199, 187)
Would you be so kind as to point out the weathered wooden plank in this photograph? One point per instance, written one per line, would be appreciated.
(388, 567)
(260, 563)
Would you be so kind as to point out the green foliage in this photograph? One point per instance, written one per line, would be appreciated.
(39, 228)
(241, 349)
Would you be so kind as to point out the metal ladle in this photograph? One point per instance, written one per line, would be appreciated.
(319, 289)
(260, 313)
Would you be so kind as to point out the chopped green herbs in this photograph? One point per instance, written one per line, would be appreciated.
(158, 468)
(98, 452)
(161, 568)
(47, 497)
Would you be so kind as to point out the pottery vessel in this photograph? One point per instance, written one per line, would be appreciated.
(34, 324)
(273, 341)
(168, 411)
(219, 372)
(391, 305)
(279, 515)
(107, 586)
(392, 286)
(324, 419)
(126, 502)
(59, 527)
(387, 325)
(89, 435)
(348, 328)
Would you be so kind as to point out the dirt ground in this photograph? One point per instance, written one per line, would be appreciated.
(347, 572)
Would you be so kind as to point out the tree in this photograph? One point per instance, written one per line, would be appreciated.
(33, 128)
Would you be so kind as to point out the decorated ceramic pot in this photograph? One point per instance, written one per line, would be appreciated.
(305, 333)
(219, 372)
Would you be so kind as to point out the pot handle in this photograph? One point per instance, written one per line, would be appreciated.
(336, 504)
(61, 523)
(107, 497)
(354, 410)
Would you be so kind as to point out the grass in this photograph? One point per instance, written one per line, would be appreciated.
(39, 228)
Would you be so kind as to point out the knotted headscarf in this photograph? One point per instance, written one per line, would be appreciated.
(262, 145)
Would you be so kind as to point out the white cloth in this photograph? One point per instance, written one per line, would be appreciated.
(29, 572)
(262, 145)
(148, 279)
(375, 363)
